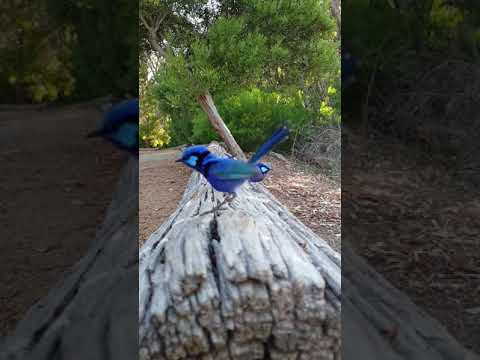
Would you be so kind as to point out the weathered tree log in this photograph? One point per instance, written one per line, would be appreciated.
(249, 282)
(252, 282)
(268, 290)
(92, 314)
(336, 10)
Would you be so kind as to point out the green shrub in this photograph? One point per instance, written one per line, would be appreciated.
(153, 133)
(252, 116)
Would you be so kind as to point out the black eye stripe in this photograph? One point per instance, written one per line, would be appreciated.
(201, 157)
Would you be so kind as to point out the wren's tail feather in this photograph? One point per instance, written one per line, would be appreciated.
(277, 137)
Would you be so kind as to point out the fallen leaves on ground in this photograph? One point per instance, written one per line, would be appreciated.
(309, 195)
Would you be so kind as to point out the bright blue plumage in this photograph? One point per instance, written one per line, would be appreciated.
(227, 174)
(223, 174)
(263, 169)
(120, 126)
(277, 137)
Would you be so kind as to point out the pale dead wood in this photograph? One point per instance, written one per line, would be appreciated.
(335, 8)
(207, 104)
(271, 289)
(278, 156)
(250, 282)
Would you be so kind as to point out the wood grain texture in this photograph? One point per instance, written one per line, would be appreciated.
(252, 282)
(382, 323)
(248, 282)
(271, 289)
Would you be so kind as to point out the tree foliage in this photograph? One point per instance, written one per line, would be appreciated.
(36, 61)
(249, 50)
(415, 56)
(409, 30)
(105, 58)
(67, 50)
(153, 125)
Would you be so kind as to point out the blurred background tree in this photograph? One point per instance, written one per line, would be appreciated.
(69, 50)
(36, 60)
(397, 40)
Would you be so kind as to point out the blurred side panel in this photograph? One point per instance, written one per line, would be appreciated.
(410, 175)
(68, 214)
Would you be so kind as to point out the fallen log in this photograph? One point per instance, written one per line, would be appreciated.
(92, 314)
(247, 282)
(268, 290)
(252, 282)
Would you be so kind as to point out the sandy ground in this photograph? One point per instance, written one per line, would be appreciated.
(313, 198)
(55, 186)
(162, 182)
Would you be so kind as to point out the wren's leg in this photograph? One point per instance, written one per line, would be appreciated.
(227, 199)
(230, 198)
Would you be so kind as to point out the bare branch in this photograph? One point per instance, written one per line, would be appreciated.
(153, 33)
(207, 104)
(159, 21)
(145, 22)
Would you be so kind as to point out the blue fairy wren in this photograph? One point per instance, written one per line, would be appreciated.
(277, 137)
(262, 168)
(227, 174)
(120, 126)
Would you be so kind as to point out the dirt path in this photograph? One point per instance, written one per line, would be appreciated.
(310, 196)
(162, 182)
(55, 186)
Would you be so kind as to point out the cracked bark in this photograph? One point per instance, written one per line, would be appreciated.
(275, 293)
(92, 313)
(242, 283)
(252, 282)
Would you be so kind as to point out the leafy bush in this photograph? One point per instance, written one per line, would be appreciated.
(153, 126)
(444, 24)
(153, 134)
(252, 115)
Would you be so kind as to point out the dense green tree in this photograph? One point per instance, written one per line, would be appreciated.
(239, 51)
(153, 125)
